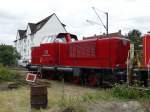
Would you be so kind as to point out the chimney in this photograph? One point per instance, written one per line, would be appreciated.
(148, 32)
(119, 32)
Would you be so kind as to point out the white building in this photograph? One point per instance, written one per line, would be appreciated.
(34, 34)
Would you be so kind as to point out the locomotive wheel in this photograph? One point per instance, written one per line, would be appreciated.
(50, 77)
(93, 80)
(76, 80)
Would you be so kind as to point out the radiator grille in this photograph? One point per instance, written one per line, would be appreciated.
(83, 49)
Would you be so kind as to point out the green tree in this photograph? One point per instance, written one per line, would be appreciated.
(136, 39)
(135, 36)
(8, 55)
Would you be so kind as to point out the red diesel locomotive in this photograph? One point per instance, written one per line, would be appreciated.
(89, 61)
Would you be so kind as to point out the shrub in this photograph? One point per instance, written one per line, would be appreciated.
(118, 92)
(125, 92)
(6, 75)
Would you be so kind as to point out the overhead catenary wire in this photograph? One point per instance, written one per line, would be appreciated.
(99, 17)
(93, 22)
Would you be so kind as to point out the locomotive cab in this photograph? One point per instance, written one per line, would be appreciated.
(50, 49)
(47, 53)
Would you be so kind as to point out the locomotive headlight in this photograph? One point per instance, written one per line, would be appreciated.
(118, 65)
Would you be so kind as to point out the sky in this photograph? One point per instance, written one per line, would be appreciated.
(124, 15)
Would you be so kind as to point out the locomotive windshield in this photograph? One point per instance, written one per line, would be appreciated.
(48, 39)
(61, 39)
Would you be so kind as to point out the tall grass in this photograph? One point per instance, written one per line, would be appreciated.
(99, 95)
(18, 100)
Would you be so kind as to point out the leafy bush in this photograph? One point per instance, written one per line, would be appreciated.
(125, 92)
(118, 92)
(6, 75)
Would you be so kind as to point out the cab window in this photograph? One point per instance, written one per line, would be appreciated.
(44, 39)
(61, 40)
(73, 39)
(48, 39)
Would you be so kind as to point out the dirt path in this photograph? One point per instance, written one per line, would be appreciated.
(113, 106)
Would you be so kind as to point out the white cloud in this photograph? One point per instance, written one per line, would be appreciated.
(123, 14)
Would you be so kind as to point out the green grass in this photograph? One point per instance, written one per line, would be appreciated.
(18, 100)
(72, 97)
(118, 92)
(128, 93)
(15, 100)
(99, 95)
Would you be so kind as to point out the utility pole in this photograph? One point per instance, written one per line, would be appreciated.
(106, 22)
(105, 26)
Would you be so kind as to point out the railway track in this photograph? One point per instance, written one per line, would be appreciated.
(17, 68)
(103, 86)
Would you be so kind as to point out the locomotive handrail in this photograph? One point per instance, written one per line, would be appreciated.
(148, 66)
(130, 61)
(128, 57)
